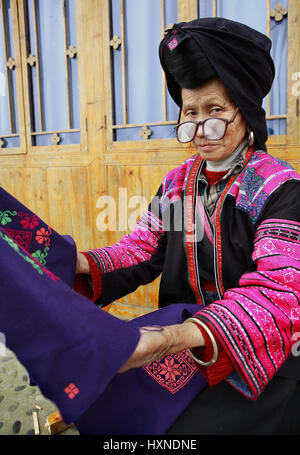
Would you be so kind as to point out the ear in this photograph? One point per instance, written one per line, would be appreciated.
(251, 138)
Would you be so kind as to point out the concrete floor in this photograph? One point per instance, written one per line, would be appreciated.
(18, 399)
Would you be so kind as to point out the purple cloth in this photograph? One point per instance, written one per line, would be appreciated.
(71, 348)
(56, 252)
(63, 340)
(147, 400)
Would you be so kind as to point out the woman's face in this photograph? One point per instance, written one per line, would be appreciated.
(212, 100)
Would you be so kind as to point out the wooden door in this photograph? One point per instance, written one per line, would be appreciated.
(66, 184)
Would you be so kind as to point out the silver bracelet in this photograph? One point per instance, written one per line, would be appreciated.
(213, 341)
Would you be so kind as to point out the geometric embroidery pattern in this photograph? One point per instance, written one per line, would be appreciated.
(295, 314)
(288, 276)
(71, 391)
(173, 371)
(269, 246)
(22, 238)
(172, 44)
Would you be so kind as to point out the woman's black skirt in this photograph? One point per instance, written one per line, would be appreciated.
(222, 410)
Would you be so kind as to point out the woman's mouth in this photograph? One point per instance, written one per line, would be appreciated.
(206, 147)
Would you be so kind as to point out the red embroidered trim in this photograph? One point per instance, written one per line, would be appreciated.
(209, 286)
(96, 276)
(218, 246)
(189, 198)
(173, 371)
(218, 222)
(81, 284)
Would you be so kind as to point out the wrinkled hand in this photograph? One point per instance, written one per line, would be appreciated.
(82, 265)
(156, 342)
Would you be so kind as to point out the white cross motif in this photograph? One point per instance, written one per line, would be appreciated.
(269, 246)
(288, 276)
(295, 313)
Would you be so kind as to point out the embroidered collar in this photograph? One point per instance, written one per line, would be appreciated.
(211, 195)
(234, 163)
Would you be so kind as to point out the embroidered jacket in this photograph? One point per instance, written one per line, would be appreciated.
(254, 240)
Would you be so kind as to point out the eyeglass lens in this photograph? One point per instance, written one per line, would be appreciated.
(213, 129)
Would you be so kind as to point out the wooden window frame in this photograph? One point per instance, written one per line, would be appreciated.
(188, 10)
(39, 155)
(19, 86)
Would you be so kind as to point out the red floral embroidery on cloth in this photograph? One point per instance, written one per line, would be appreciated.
(71, 391)
(28, 221)
(43, 236)
(173, 371)
(22, 238)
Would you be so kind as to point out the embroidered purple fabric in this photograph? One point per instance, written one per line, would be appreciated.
(147, 400)
(71, 348)
(61, 338)
(56, 252)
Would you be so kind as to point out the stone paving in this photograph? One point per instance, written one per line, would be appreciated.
(18, 399)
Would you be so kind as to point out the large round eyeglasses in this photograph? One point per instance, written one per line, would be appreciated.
(213, 129)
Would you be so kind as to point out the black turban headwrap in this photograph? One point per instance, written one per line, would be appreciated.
(239, 55)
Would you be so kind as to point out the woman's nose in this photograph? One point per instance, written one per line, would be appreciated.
(199, 132)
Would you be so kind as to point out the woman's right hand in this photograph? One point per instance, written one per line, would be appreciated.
(82, 265)
(158, 341)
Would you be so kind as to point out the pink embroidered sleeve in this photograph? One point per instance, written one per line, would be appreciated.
(138, 257)
(256, 323)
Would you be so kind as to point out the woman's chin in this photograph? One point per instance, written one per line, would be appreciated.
(209, 153)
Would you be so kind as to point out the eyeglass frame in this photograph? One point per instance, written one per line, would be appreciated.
(202, 122)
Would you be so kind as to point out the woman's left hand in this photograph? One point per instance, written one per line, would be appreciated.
(156, 342)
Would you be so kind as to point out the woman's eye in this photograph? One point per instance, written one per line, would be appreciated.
(215, 110)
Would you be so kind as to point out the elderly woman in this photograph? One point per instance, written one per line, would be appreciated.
(238, 252)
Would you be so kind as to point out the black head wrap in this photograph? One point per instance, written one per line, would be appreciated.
(238, 55)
